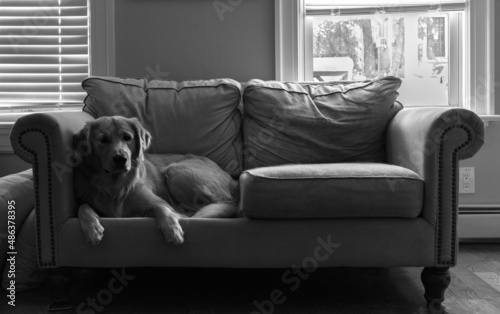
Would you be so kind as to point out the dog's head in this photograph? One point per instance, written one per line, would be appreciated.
(113, 145)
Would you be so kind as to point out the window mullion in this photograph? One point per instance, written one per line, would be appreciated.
(457, 52)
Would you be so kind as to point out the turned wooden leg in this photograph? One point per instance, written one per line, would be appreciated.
(435, 280)
(59, 282)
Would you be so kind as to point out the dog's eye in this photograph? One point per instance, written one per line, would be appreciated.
(105, 140)
(127, 137)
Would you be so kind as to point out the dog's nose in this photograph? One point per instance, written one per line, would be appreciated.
(119, 160)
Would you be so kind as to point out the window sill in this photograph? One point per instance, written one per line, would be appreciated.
(489, 118)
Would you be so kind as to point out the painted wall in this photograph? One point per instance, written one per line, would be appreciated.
(195, 39)
(191, 40)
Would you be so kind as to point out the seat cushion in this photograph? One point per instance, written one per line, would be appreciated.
(190, 117)
(286, 123)
(338, 190)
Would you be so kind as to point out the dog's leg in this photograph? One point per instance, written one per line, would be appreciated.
(168, 223)
(217, 210)
(89, 222)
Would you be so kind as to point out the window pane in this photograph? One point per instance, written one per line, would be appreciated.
(411, 46)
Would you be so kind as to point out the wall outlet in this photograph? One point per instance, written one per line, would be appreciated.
(467, 180)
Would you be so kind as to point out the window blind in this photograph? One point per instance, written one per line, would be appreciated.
(44, 53)
(365, 7)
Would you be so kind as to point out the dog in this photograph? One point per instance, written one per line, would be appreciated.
(116, 178)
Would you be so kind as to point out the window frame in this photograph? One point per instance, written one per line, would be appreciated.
(478, 92)
(101, 58)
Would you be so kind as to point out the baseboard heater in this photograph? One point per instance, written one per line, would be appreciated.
(479, 223)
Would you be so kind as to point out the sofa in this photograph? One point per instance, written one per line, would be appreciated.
(330, 174)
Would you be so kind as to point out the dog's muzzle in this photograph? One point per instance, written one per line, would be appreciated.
(119, 165)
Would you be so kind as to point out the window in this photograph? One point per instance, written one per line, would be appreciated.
(47, 47)
(438, 48)
(44, 51)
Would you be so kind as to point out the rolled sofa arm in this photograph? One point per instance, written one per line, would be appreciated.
(431, 141)
(45, 141)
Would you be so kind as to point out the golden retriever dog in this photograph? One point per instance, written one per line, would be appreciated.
(115, 178)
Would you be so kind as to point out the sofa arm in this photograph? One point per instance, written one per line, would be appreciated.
(431, 141)
(45, 141)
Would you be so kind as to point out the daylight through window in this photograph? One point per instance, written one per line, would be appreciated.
(417, 41)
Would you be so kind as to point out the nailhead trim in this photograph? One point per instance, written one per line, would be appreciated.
(440, 260)
(36, 166)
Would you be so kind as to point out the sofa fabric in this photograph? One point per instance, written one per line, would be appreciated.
(15, 190)
(339, 190)
(286, 123)
(196, 117)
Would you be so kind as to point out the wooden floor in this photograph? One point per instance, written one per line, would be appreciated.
(475, 288)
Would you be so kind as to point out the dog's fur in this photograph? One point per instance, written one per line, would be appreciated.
(115, 178)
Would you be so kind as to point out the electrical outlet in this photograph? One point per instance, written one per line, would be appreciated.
(467, 180)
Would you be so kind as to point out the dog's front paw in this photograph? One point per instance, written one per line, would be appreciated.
(172, 230)
(94, 232)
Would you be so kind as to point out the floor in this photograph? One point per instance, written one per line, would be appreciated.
(475, 288)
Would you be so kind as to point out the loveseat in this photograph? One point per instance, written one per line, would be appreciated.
(330, 175)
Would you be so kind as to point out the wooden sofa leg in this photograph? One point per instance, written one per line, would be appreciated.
(435, 280)
(59, 282)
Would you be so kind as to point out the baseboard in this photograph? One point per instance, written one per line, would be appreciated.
(479, 222)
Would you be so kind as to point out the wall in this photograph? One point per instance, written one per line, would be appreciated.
(487, 169)
(194, 40)
(10, 163)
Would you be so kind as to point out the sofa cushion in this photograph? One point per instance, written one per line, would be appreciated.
(339, 190)
(288, 123)
(197, 117)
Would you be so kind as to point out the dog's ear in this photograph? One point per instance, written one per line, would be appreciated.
(143, 137)
(82, 147)
(81, 141)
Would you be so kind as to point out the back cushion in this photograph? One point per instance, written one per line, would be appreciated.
(306, 123)
(197, 117)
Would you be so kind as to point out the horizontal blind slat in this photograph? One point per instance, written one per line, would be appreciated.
(41, 97)
(43, 59)
(22, 31)
(41, 78)
(44, 50)
(42, 40)
(46, 68)
(33, 22)
(41, 87)
(41, 3)
(41, 12)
